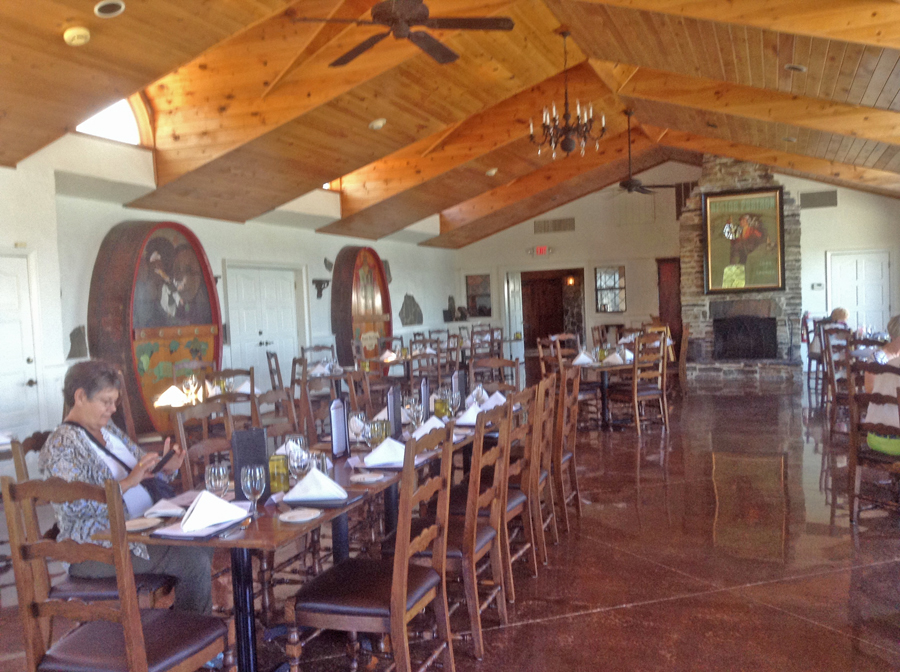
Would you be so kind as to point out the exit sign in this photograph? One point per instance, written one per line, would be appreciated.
(540, 251)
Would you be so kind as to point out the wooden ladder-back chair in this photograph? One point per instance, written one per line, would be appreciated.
(548, 361)
(427, 365)
(198, 451)
(497, 342)
(155, 591)
(277, 414)
(564, 463)
(312, 399)
(544, 419)
(317, 353)
(808, 331)
(648, 379)
(360, 392)
(498, 375)
(835, 351)
(274, 370)
(392, 343)
(111, 635)
(453, 348)
(521, 484)
(861, 456)
(232, 387)
(474, 531)
(439, 334)
(365, 595)
(682, 359)
(565, 347)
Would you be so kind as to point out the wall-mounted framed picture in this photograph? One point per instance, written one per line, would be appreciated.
(744, 235)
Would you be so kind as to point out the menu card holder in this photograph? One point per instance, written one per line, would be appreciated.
(340, 432)
(248, 447)
(424, 396)
(394, 411)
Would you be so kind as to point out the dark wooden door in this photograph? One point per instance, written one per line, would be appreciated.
(542, 309)
(669, 271)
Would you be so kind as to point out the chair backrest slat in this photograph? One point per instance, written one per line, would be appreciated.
(274, 370)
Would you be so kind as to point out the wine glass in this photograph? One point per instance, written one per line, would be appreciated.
(357, 424)
(455, 400)
(216, 476)
(298, 456)
(374, 433)
(253, 482)
(189, 386)
(416, 413)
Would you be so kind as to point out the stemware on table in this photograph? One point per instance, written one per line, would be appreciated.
(253, 482)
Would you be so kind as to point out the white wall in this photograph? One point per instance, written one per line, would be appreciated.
(860, 222)
(612, 228)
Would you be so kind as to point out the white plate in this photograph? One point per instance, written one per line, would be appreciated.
(299, 515)
(369, 477)
(140, 524)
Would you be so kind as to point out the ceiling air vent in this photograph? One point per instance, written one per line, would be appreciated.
(554, 225)
(818, 199)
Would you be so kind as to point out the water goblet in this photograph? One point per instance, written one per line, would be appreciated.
(253, 482)
(455, 402)
(216, 477)
(299, 460)
(357, 424)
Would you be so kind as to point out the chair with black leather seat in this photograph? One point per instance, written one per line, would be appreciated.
(365, 595)
(476, 509)
(835, 342)
(863, 422)
(111, 636)
(564, 463)
(154, 590)
(648, 379)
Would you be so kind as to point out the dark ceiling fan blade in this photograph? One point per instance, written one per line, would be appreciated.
(431, 46)
(470, 23)
(355, 22)
(661, 186)
(641, 189)
(630, 184)
(358, 49)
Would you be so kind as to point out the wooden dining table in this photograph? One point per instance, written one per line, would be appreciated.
(266, 533)
(590, 370)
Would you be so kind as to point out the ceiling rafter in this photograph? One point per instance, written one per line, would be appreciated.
(856, 177)
(875, 22)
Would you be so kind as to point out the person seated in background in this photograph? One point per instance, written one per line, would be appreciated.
(884, 383)
(90, 448)
(838, 317)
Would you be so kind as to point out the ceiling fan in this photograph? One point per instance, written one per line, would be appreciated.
(399, 16)
(632, 184)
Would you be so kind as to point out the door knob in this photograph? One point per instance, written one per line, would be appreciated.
(30, 360)
(31, 382)
(262, 343)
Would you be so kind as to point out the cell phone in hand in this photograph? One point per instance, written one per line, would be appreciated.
(165, 458)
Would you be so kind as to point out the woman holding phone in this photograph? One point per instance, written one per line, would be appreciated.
(89, 447)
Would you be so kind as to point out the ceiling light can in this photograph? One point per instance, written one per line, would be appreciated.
(77, 36)
(377, 124)
(490, 172)
(107, 9)
(794, 67)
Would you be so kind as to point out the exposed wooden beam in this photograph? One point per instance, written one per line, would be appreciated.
(856, 177)
(214, 104)
(764, 105)
(875, 22)
(614, 75)
(578, 185)
(477, 136)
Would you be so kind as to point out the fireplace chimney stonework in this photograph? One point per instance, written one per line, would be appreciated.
(698, 310)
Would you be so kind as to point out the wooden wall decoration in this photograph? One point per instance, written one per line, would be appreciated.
(360, 302)
(153, 310)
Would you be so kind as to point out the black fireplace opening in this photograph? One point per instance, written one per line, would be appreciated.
(745, 337)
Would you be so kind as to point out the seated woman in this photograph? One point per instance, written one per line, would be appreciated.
(88, 447)
(885, 383)
(838, 317)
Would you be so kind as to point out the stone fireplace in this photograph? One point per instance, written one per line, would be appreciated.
(747, 341)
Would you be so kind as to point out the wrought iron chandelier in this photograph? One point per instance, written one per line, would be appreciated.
(570, 134)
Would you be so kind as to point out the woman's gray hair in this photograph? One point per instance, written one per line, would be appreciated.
(91, 376)
(893, 327)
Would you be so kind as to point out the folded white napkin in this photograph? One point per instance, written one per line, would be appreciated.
(286, 447)
(319, 370)
(315, 486)
(404, 416)
(389, 452)
(582, 359)
(211, 390)
(629, 338)
(208, 510)
(388, 356)
(466, 343)
(171, 397)
(496, 399)
(613, 359)
(629, 356)
(244, 388)
(477, 396)
(430, 351)
(426, 427)
(470, 417)
(164, 508)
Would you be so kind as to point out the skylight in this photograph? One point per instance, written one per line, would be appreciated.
(116, 122)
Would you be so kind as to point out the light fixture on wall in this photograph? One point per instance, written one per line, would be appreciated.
(570, 280)
(320, 284)
(571, 133)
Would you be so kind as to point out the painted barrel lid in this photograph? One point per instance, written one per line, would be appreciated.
(360, 303)
(154, 311)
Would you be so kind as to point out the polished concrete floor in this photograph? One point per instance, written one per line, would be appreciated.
(717, 547)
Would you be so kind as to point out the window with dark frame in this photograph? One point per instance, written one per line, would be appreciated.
(610, 283)
(478, 295)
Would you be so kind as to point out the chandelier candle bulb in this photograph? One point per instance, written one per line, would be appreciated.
(578, 109)
(531, 126)
(555, 115)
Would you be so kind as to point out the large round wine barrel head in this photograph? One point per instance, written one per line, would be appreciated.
(360, 302)
(154, 311)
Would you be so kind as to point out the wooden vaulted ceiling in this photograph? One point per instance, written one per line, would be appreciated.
(248, 115)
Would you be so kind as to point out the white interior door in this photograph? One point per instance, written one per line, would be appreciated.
(262, 312)
(19, 415)
(860, 282)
